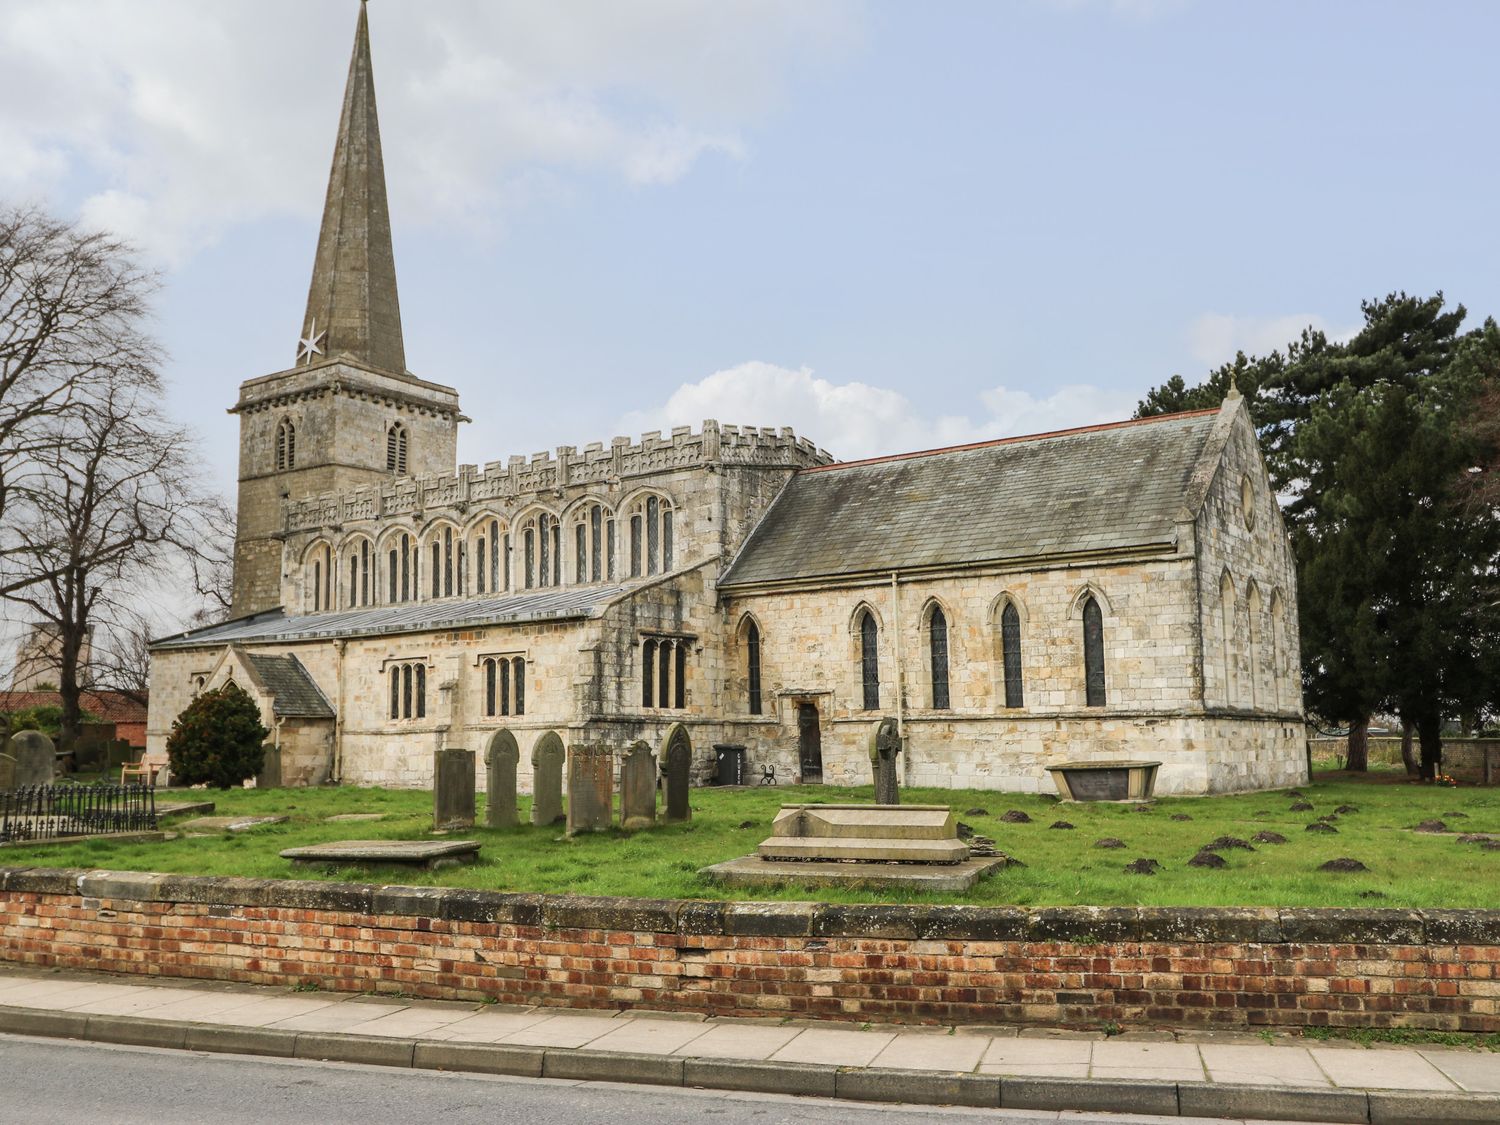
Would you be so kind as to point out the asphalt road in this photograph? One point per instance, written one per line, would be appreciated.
(51, 1082)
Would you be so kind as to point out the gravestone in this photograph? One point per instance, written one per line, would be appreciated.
(677, 763)
(591, 788)
(500, 760)
(270, 769)
(637, 787)
(453, 790)
(36, 758)
(7, 770)
(885, 744)
(547, 759)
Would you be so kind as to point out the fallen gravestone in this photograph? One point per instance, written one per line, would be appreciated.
(1142, 867)
(591, 788)
(36, 758)
(501, 757)
(430, 854)
(547, 759)
(453, 790)
(885, 744)
(677, 763)
(638, 787)
(1343, 864)
(357, 816)
(205, 825)
(1269, 838)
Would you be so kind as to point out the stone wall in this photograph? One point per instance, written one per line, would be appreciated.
(1204, 967)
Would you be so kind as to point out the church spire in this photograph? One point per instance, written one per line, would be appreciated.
(352, 305)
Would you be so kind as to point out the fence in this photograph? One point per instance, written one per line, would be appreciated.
(1475, 759)
(50, 812)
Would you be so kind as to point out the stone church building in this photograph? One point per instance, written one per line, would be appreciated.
(1122, 591)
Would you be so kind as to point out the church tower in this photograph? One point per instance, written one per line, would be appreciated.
(347, 413)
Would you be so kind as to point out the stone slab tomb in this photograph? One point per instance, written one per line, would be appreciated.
(453, 790)
(637, 787)
(547, 759)
(591, 788)
(677, 767)
(36, 758)
(429, 854)
(500, 761)
(207, 825)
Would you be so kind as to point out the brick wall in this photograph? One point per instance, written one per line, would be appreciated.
(1219, 967)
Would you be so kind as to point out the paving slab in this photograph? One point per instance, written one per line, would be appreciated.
(196, 1006)
(1261, 1066)
(931, 1051)
(340, 1016)
(1381, 1070)
(1477, 1071)
(650, 1037)
(1168, 1062)
(416, 1023)
(42, 994)
(563, 1031)
(739, 1041)
(835, 1047)
(263, 1013)
(486, 1027)
(144, 1002)
(1038, 1058)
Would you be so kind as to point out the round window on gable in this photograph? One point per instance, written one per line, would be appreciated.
(1247, 502)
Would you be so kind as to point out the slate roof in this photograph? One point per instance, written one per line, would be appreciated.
(293, 693)
(1095, 489)
(547, 605)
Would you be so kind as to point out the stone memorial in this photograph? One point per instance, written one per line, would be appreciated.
(547, 758)
(637, 787)
(885, 744)
(36, 758)
(677, 764)
(7, 770)
(591, 788)
(500, 760)
(453, 790)
(430, 854)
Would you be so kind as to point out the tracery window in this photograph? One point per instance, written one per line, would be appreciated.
(446, 569)
(594, 544)
(650, 536)
(541, 539)
(395, 449)
(487, 558)
(359, 575)
(322, 576)
(1093, 653)
(1010, 654)
(286, 445)
(869, 660)
(664, 672)
(408, 681)
(752, 666)
(401, 570)
(937, 656)
(504, 686)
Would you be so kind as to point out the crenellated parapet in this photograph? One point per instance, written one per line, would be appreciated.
(520, 478)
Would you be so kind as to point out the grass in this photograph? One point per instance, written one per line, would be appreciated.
(1062, 867)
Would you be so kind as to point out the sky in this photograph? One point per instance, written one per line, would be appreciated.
(886, 224)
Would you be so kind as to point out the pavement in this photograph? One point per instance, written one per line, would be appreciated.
(1210, 1075)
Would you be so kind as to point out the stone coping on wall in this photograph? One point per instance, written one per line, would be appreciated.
(1084, 925)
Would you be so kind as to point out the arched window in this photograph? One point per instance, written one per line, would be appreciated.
(360, 585)
(504, 686)
(648, 672)
(1278, 647)
(1093, 654)
(395, 449)
(286, 445)
(869, 660)
(1252, 609)
(487, 554)
(400, 569)
(1010, 653)
(651, 536)
(1226, 629)
(593, 544)
(752, 665)
(446, 563)
(541, 538)
(321, 576)
(937, 654)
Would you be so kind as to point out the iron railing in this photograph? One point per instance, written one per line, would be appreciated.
(50, 812)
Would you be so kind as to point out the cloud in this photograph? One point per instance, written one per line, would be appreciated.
(176, 119)
(1214, 338)
(854, 420)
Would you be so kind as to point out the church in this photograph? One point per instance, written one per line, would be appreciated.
(1115, 592)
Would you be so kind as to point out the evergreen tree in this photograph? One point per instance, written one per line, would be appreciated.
(218, 739)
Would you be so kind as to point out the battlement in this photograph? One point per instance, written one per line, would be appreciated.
(623, 459)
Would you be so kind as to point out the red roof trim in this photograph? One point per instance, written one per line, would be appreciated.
(1008, 441)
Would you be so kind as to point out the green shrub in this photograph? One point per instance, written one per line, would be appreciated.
(218, 739)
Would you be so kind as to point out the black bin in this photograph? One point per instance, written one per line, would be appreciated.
(731, 759)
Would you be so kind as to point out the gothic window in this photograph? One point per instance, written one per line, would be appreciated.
(1093, 653)
(437, 568)
(395, 449)
(1252, 609)
(648, 672)
(651, 537)
(323, 579)
(542, 537)
(448, 563)
(353, 598)
(359, 575)
(494, 557)
(1278, 646)
(752, 665)
(1226, 639)
(937, 654)
(367, 584)
(481, 557)
(408, 690)
(504, 686)
(869, 660)
(1010, 653)
(592, 555)
(528, 541)
(286, 445)
(393, 576)
(664, 672)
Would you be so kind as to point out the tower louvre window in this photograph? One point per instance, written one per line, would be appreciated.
(395, 449)
(286, 445)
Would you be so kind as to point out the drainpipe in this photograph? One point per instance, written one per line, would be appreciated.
(900, 677)
(338, 718)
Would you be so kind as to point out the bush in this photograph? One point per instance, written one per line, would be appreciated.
(218, 739)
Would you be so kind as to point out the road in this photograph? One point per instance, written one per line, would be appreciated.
(61, 1082)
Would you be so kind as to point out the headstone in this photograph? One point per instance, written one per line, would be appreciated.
(453, 790)
(36, 758)
(547, 759)
(500, 759)
(7, 771)
(637, 787)
(885, 744)
(591, 788)
(677, 763)
(270, 769)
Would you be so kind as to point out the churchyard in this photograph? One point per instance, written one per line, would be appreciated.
(1377, 827)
